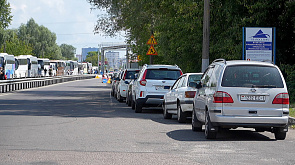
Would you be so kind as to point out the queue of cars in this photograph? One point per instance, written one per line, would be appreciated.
(230, 94)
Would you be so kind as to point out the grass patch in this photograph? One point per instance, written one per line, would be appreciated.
(292, 110)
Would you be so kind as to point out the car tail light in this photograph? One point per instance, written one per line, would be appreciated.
(190, 94)
(282, 98)
(141, 94)
(143, 80)
(125, 75)
(222, 97)
(181, 73)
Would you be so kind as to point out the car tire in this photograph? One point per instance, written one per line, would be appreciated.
(138, 108)
(196, 124)
(132, 104)
(181, 116)
(166, 115)
(209, 134)
(112, 92)
(280, 135)
(119, 97)
(129, 100)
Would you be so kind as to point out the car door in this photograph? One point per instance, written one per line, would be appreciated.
(201, 99)
(170, 96)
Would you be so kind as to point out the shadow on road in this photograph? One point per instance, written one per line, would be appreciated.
(224, 135)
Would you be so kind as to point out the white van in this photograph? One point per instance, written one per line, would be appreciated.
(247, 94)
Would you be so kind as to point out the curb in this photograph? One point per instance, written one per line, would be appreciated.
(291, 121)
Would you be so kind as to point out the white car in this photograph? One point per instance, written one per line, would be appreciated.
(123, 84)
(179, 99)
(247, 94)
(151, 85)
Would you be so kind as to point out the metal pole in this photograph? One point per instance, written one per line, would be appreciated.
(206, 30)
(102, 61)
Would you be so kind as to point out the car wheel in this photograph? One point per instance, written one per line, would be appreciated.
(196, 124)
(129, 100)
(279, 134)
(119, 97)
(115, 94)
(166, 115)
(132, 104)
(181, 116)
(138, 108)
(112, 92)
(209, 134)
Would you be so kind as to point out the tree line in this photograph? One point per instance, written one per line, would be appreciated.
(30, 38)
(178, 29)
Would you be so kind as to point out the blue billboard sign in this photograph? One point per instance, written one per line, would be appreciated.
(259, 44)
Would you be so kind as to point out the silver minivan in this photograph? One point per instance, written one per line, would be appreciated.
(247, 94)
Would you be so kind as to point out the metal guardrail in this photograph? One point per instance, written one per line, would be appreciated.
(19, 84)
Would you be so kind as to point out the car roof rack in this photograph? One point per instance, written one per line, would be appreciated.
(220, 60)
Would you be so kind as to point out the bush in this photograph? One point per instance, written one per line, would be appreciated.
(289, 75)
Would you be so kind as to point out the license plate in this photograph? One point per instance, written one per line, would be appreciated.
(258, 98)
(159, 87)
(162, 87)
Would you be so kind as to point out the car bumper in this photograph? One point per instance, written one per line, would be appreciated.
(151, 101)
(251, 121)
(187, 106)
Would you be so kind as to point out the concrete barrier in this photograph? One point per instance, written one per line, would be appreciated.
(19, 84)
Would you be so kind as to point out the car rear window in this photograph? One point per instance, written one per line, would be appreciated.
(162, 74)
(252, 76)
(130, 73)
(194, 78)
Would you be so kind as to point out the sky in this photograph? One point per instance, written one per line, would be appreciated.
(72, 21)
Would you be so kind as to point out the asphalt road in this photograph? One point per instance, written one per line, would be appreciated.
(80, 123)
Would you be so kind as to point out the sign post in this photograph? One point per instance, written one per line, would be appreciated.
(152, 51)
(259, 44)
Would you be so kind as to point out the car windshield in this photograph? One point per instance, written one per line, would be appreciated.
(162, 74)
(252, 76)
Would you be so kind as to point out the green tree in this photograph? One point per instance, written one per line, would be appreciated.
(68, 51)
(92, 57)
(177, 26)
(5, 11)
(41, 39)
(15, 46)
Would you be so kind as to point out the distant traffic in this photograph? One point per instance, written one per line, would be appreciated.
(24, 66)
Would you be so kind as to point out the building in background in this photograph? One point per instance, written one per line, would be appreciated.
(113, 59)
(86, 50)
(79, 56)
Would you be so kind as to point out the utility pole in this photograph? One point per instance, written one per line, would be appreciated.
(206, 34)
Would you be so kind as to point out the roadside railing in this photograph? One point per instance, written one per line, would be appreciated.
(19, 84)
